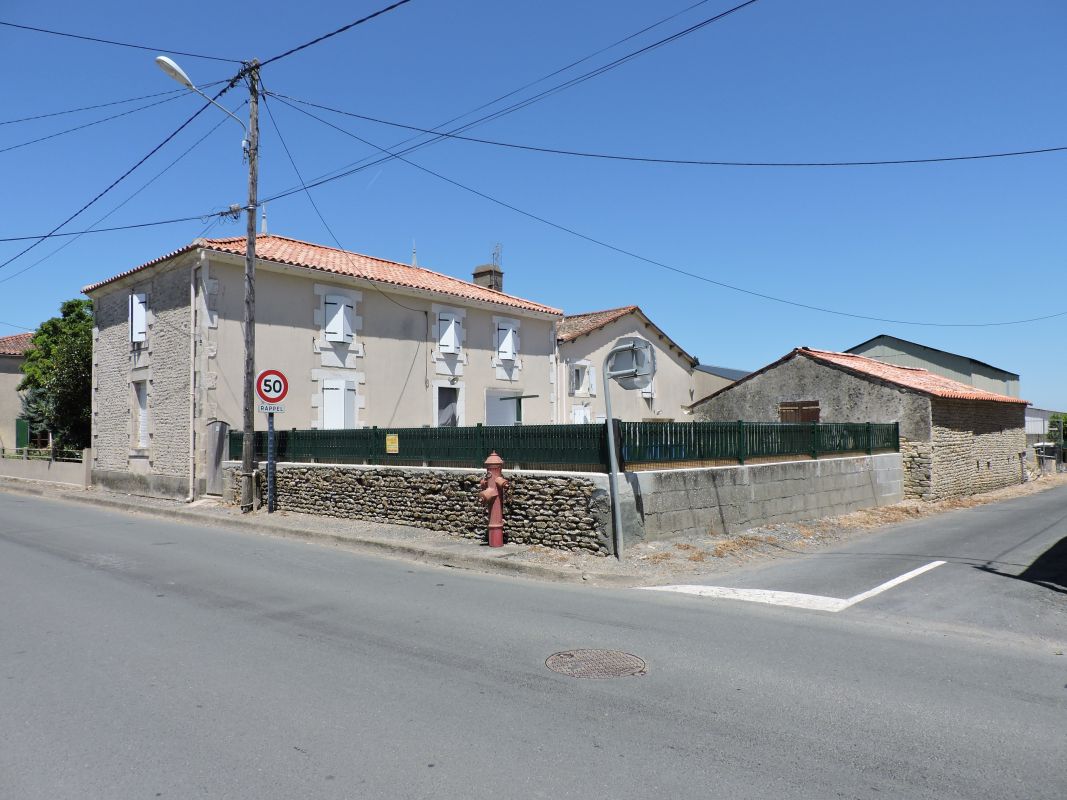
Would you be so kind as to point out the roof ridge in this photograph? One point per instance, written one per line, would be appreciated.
(603, 311)
(866, 358)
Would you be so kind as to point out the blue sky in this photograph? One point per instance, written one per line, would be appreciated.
(979, 241)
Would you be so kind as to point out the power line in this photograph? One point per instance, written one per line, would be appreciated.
(340, 30)
(116, 44)
(17, 327)
(127, 173)
(661, 264)
(90, 108)
(315, 205)
(552, 90)
(678, 161)
(88, 124)
(215, 218)
(130, 227)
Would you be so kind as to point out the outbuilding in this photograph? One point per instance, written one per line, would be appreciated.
(955, 439)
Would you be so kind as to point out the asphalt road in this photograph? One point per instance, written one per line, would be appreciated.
(143, 659)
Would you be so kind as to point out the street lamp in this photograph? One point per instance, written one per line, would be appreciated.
(251, 149)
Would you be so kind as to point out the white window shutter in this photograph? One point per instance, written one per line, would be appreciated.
(138, 317)
(350, 404)
(334, 319)
(507, 342)
(650, 390)
(590, 372)
(448, 329)
(333, 404)
(348, 311)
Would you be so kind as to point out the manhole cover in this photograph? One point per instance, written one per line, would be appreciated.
(595, 664)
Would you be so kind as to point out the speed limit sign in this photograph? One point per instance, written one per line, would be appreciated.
(271, 386)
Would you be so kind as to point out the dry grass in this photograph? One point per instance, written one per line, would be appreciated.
(699, 556)
(685, 546)
(659, 558)
(739, 544)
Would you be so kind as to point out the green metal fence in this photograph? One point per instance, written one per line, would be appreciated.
(575, 447)
(662, 443)
(578, 447)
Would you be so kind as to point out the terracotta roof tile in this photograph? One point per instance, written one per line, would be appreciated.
(283, 250)
(15, 345)
(574, 325)
(913, 378)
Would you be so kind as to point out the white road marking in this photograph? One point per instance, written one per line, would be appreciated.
(812, 602)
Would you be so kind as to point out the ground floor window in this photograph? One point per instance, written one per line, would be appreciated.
(447, 407)
(140, 414)
(800, 411)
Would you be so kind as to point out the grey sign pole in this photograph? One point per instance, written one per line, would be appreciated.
(270, 462)
(613, 467)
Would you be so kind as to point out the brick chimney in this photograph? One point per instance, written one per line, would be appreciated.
(491, 276)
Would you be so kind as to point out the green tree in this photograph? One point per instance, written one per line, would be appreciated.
(58, 374)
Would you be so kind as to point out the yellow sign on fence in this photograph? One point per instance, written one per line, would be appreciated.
(392, 443)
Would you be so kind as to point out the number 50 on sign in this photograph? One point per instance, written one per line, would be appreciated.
(271, 386)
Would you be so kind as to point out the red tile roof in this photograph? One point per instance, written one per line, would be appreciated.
(15, 345)
(919, 380)
(575, 325)
(283, 250)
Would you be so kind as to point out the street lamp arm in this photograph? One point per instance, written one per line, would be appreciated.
(223, 109)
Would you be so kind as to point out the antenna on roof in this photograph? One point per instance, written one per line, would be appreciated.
(496, 254)
(414, 254)
(263, 228)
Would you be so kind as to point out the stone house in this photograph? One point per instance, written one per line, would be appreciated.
(955, 439)
(12, 353)
(584, 341)
(893, 350)
(363, 342)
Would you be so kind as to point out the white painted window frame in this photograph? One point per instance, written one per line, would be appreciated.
(461, 401)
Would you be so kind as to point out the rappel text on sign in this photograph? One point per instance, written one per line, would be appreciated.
(271, 408)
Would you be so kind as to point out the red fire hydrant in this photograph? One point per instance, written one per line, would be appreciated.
(493, 487)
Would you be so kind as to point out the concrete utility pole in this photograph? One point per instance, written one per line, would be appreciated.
(248, 423)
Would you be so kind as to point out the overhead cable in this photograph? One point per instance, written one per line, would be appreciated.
(331, 34)
(661, 264)
(677, 161)
(117, 44)
(125, 174)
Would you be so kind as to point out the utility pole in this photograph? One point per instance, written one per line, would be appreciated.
(248, 423)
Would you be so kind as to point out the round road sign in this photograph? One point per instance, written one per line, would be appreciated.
(271, 386)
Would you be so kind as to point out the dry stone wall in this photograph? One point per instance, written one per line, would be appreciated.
(976, 446)
(917, 460)
(560, 510)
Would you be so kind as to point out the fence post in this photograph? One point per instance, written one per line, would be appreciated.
(741, 442)
(896, 436)
(815, 440)
(869, 449)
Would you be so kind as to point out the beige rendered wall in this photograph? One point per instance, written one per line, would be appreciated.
(673, 382)
(704, 384)
(393, 359)
(10, 402)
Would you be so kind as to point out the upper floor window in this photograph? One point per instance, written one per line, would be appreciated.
(339, 311)
(138, 317)
(449, 332)
(582, 378)
(507, 341)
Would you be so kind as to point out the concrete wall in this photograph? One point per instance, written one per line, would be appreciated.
(959, 368)
(977, 446)
(673, 387)
(725, 500)
(76, 473)
(10, 401)
(163, 361)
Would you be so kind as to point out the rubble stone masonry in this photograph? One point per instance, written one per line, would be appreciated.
(976, 446)
(564, 510)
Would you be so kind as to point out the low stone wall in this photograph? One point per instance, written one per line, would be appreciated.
(564, 510)
(730, 499)
(918, 459)
(76, 473)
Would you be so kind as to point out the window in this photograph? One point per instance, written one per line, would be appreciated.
(447, 407)
(138, 317)
(800, 411)
(449, 332)
(582, 379)
(338, 318)
(140, 422)
(338, 404)
(507, 341)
